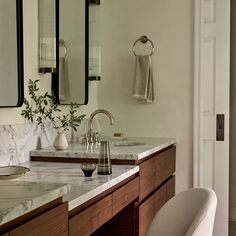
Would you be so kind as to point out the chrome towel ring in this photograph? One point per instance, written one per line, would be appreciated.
(143, 39)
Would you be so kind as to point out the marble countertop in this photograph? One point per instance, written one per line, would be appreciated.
(82, 188)
(76, 150)
(20, 197)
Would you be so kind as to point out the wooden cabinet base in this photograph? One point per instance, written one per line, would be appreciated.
(148, 209)
(92, 218)
(53, 222)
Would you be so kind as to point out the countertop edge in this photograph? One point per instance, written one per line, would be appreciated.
(72, 204)
(31, 204)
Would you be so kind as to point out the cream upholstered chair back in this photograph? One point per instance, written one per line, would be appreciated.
(189, 213)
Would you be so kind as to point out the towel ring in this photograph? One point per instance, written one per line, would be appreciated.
(143, 39)
(63, 44)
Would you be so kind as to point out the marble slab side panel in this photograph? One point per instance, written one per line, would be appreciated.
(16, 141)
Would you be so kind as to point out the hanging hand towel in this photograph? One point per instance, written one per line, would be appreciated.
(62, 80)
(143, 89)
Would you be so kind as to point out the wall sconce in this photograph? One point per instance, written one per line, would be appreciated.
(94, 41)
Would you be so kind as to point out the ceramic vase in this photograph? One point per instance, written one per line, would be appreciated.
(60, 142)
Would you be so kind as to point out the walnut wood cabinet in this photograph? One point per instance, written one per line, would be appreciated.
(53, 221)
(126, 209)
(88, 220)
(156, 186)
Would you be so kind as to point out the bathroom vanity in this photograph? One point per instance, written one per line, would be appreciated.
(123, 203)
(154, 185)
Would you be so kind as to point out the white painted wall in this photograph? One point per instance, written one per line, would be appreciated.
(169, 24)
(12, 115)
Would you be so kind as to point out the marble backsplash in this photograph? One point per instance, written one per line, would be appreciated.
(16, 141)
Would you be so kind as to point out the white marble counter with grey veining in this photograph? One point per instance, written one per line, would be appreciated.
(145, 147)
(82, 188)
(20, 197)
(48, 181)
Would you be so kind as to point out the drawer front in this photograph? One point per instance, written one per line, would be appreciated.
(91, 218)
(125, 195)
(155, 171)
(149, 208)
(165, 165)
(146, 214)
(170, 188)
(53, 222)
(159, 198)
(147, 178)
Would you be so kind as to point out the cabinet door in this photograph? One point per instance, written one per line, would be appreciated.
(53, 222)
(125, 195)
(91, 218)
(170, 188)
(147, 178)
(155, 171)
(152, 205)
(159, 198)
(146, 214)
(164, 165)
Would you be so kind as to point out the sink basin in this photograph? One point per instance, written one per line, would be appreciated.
(128, 144)
(12, 172)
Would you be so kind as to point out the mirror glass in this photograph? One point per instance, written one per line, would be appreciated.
(11, 47)
(70, 83)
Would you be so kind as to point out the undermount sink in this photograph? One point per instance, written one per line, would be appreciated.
(128, 144)
(12, 172)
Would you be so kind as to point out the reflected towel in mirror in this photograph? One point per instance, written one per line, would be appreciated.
(143, 88)
(63, 80)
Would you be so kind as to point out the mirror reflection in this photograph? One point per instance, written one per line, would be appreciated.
(70, 83)
(11, 47)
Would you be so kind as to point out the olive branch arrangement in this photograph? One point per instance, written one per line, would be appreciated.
(42, 107)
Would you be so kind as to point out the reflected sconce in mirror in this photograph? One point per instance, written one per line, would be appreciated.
(94, 41)
(47, 36)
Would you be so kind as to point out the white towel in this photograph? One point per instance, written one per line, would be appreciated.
(143, 89)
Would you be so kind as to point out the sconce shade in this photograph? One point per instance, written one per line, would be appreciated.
(47, 36)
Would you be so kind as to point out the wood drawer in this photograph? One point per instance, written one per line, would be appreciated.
(149, 208)
(146, 214)
(125, 195)
(146, 178)
(159, 198)
(53, 222)
(170, 188)
(155, 171)
(165, 165)
(91, 218)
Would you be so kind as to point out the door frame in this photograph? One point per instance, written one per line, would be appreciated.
(199, 34)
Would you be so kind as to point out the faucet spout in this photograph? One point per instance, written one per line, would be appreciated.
(104, 112)
(90, 121)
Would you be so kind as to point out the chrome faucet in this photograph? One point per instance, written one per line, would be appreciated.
(91, 136)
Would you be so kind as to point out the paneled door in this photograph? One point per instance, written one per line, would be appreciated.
(211, 103)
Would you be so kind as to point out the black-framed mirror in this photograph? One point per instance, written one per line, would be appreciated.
(11, 48)
(70, 82)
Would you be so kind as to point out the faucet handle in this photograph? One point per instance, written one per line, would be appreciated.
(84, 139)
(97, 135)
(90, 137)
